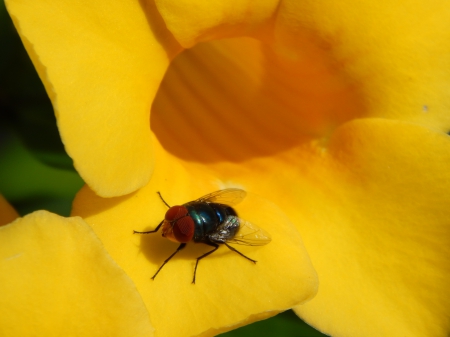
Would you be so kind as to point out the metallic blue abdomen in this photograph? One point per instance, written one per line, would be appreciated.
(207, 217)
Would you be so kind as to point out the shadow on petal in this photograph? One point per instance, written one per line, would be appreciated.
(237, 99)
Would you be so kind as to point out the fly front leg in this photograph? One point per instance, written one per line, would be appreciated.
(215, 245)
(160, 224)
(149, 232)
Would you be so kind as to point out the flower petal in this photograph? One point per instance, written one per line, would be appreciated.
(101, 64)
(57, 280)
(194, 21)
(398, 58)
(7, 212)
(230, 291)
(378, 231)
(236, 100)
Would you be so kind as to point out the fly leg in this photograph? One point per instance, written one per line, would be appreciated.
(235, 250)
(148, 232)
(215, 245)
(160, 224)
(180, 247)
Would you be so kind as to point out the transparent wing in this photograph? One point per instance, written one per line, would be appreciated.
(229, 196)
(250, 235)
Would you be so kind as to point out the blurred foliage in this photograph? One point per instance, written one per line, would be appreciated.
(29, 184)
(35, 171)
(31, 151)
(24, 104)
(286, 324)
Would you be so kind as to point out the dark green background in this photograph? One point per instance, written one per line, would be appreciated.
(35, 171)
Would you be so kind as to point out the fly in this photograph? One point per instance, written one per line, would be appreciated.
(212, 221)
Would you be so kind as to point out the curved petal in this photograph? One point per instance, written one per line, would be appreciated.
(58, 280)
(7, 212)
(265, 104)
(230, 291)
(194, 21)
(381, 240)
(397, 57)
(101, 63)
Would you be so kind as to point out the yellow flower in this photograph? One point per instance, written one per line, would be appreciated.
(333, 115)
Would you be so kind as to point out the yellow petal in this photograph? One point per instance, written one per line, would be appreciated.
(230, 291)
(194, 21)
(7, 212)
(377, 228)
(265, 104)
(101, 64)
(396, 58)
(57, 280)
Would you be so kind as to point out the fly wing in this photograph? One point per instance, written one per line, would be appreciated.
(229, 196)
(250, 235)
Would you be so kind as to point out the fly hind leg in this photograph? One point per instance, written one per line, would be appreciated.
(235, 250)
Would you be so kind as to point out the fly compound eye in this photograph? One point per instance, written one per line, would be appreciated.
(183, 229)
(176, 212)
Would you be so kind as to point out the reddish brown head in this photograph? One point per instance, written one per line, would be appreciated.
(178, 225)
